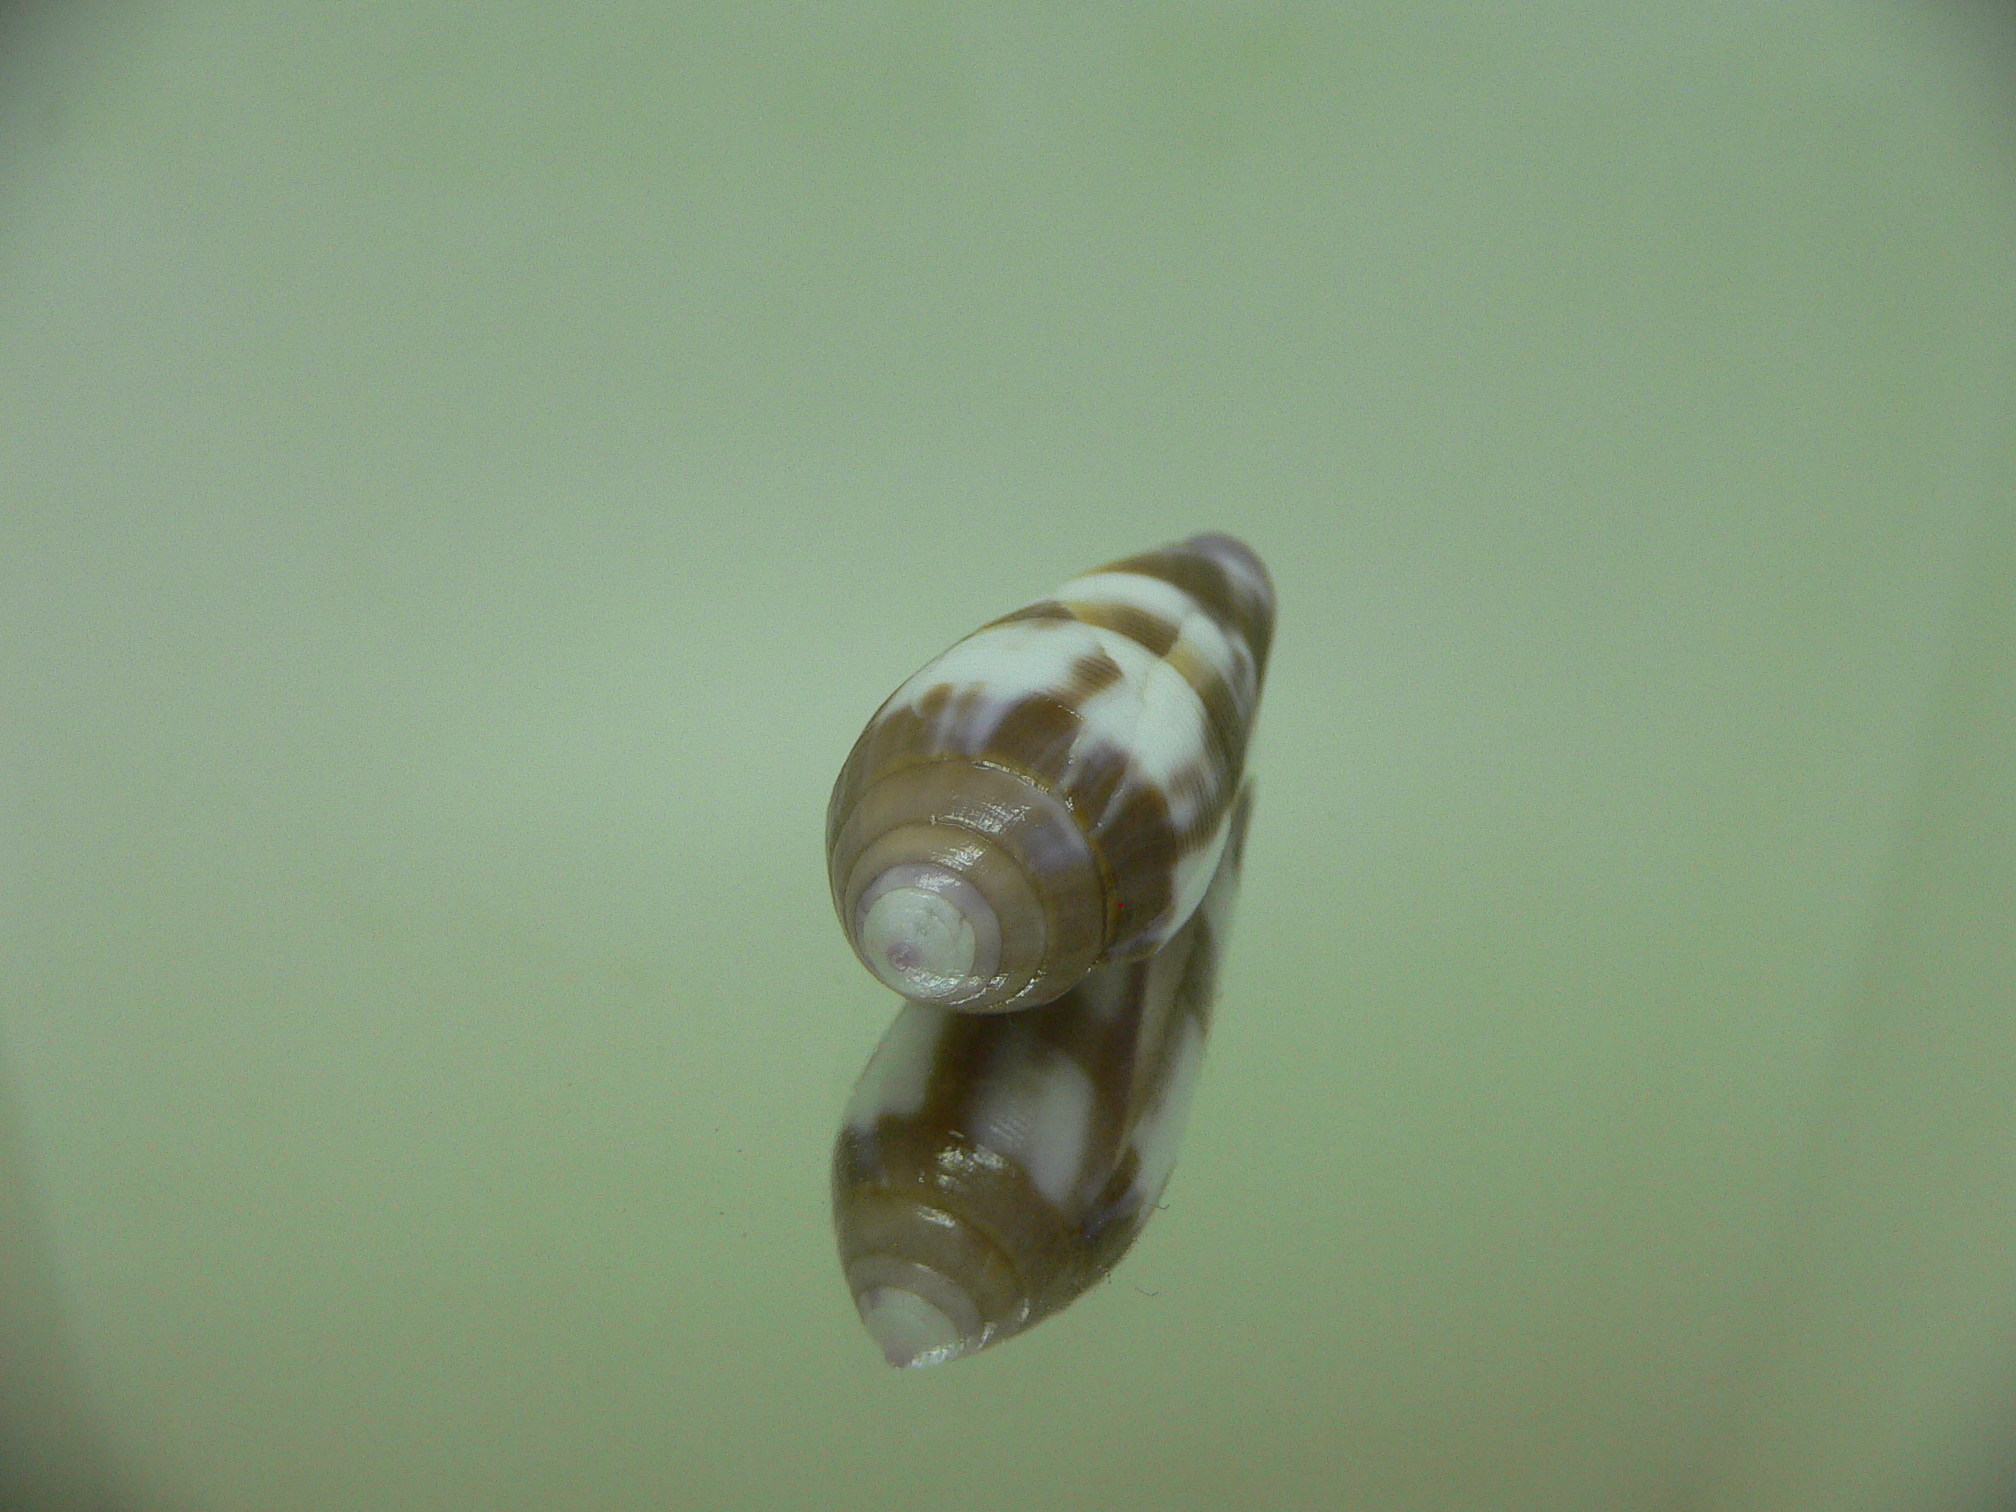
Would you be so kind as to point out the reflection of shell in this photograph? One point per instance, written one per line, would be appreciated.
(1051, 793)
(992, 1168)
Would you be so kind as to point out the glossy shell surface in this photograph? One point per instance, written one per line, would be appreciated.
(1052, 793)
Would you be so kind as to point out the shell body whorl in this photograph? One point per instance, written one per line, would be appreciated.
(1052, 793)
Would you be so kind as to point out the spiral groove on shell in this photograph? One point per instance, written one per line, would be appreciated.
(1052, 792)
(992, 1168)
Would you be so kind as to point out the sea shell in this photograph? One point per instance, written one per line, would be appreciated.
(992, 1168)
(1052, 793)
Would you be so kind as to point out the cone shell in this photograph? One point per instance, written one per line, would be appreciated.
(992, 1168)
(1052, 794)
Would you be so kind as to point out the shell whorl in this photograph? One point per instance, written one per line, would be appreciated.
(991, 1168)
(1052, 792)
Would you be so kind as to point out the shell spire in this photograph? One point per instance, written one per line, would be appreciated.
(1053, 792)
(990, 1169)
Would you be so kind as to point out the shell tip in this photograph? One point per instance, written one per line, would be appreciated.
(909, 1331)
(918, 942)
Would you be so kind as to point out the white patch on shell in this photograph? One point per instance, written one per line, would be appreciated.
(1137, 589)
(1229, 656)
(1154, 715)
(1006, 663)
(1198, 630)
(1191, 883)
(1158, 1134)
(1037, 1111)
(895, 1079)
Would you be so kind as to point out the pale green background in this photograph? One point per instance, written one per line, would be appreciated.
(467, 473)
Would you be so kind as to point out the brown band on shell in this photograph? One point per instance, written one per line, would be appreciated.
(1226, 722)
(1142, 626)
(1090, 675)
(1138, 844)
(1207, 581)
(1042, 609)
(1133, 841)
